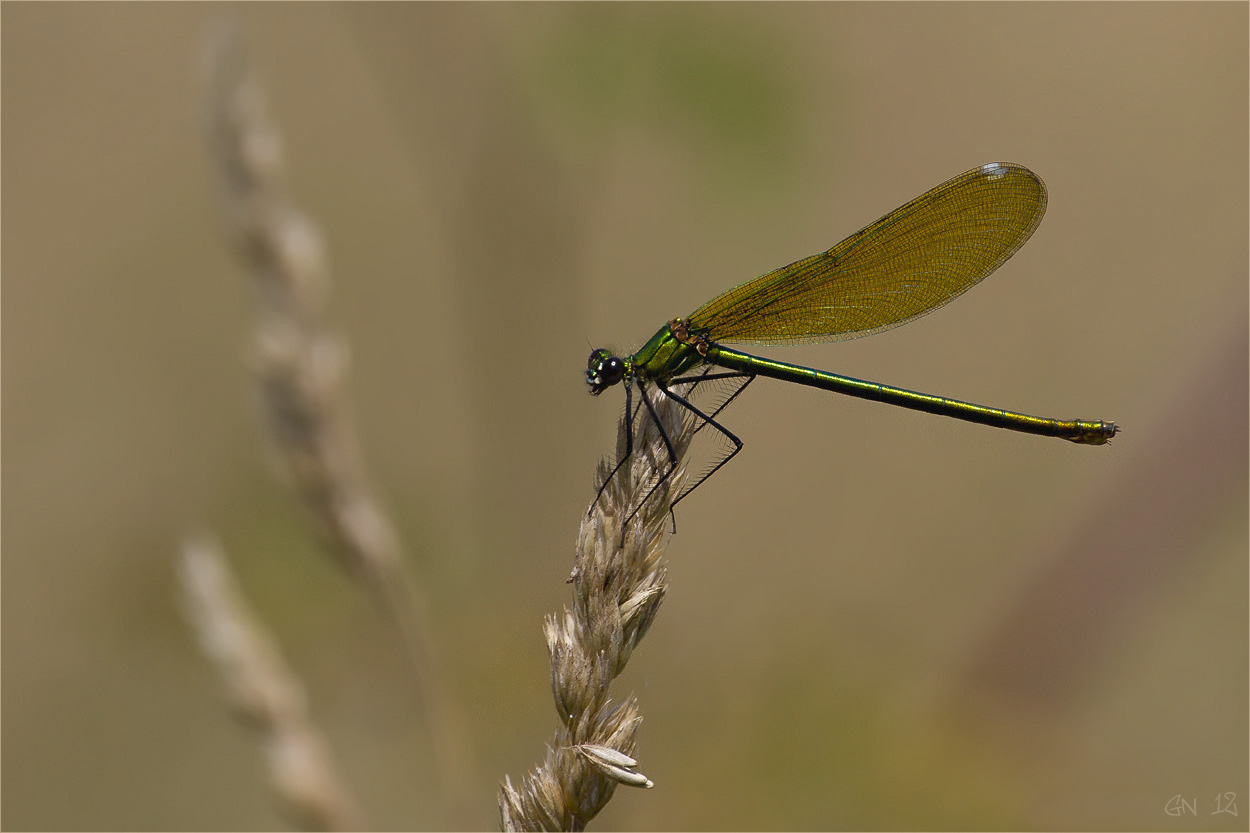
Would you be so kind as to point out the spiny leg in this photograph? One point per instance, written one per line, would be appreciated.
(703, 419)
(705, 377)
(708, 420)
(668, 444)
(629, 447)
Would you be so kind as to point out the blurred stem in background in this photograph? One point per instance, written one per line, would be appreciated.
(1042, 652)
(264, 692)
(300, 367)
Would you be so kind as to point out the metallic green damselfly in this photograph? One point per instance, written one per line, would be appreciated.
(905, 265)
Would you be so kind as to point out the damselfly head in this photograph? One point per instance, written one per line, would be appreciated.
(603, 370)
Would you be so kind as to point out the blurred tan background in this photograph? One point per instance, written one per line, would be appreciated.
(878, 618)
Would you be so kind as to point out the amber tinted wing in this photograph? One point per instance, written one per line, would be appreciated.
(910, 262)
